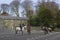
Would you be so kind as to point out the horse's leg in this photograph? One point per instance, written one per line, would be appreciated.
(16, 31)
(22, 32)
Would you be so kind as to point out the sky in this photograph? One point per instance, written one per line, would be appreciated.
(5, 1)
(35, 1)
(8, 1)
(58, 1)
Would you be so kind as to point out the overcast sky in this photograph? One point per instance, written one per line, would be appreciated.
(9, 1)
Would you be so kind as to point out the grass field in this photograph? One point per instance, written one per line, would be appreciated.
(57, 30)
(35, 28)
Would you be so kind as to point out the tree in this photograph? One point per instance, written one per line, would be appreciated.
(57, 19)
(5, 7)
(45, 16)
(51, 6)
(15, 7)
(5, 14)
(34, 21)
(27, 5)
(37, 6)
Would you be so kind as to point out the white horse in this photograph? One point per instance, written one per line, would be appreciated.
(19, 29)
(23, 28)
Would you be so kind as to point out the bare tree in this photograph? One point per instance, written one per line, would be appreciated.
(5, 7)
(0, 9)
(27, 5)
(15, 7)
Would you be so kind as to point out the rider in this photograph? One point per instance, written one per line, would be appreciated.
(21, 28)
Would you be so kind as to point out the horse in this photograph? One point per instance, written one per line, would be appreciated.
(19, 29)
(45, 29)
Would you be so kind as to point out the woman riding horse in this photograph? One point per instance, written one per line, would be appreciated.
(19, 28)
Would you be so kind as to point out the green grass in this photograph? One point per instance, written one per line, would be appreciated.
(57, 30)
(35, 28)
